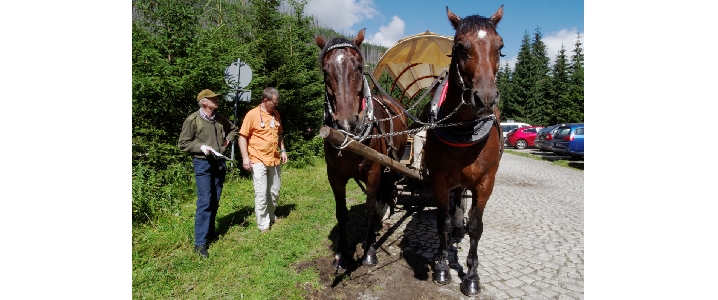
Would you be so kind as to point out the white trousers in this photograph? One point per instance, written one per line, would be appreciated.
(267, 181)
(418, 146)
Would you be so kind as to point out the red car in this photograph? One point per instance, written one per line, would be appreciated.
(523, 137)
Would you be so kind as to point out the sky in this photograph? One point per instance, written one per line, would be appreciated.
(387, 21)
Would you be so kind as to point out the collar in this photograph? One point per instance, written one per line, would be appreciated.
(454, 136)
(206, 117)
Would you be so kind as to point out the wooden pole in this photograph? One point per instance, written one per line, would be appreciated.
(337, 138)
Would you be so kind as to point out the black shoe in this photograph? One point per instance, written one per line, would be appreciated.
(202, 251)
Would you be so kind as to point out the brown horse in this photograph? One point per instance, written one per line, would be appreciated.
(350, 108)
(467, 153)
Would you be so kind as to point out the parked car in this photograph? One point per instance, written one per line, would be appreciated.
(506, 127)
(569, 140)
(545, 137)
(523, 137)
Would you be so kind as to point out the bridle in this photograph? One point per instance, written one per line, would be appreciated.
(367, 103)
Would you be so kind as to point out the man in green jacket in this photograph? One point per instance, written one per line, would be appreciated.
(205, 134)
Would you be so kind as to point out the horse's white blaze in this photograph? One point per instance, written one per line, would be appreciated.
(340, 58)
(482, 33)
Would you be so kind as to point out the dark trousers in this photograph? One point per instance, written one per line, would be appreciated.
(209, 175)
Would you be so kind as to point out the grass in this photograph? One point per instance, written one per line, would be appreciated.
(243, 263)
(558, 162)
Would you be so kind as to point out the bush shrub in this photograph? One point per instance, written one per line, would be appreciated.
(159, 192)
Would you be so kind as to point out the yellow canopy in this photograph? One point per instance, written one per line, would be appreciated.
(416, 61)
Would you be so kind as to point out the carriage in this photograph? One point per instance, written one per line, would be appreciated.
(366, 135)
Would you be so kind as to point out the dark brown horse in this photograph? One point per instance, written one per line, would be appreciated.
(350, 108)
(467, 153)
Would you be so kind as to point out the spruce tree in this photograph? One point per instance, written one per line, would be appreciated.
(540, 91)
(559, 101)
(522, 83)
(505, 86)
(576, 79)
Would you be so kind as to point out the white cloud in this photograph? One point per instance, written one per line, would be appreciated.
(388, 35)
(566, 37)
(340, 15)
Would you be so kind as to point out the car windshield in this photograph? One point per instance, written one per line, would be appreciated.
(563, 131)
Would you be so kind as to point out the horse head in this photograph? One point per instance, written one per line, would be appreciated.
(345, 86)
(475, 60)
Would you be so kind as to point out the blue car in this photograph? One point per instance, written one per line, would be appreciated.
(569, 140)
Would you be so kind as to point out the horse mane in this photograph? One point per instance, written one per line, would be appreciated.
(335, 41)
(475, 22)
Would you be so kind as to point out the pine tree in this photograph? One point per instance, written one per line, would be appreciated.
(559, 100)
(523, 83)
(541, 88)
(576, 79)
(505, 86)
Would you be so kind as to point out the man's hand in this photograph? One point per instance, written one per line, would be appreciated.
(247, 163)
(284, 157)
(206, 149)
(226, 142)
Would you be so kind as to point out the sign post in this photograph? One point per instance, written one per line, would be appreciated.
(237, 75)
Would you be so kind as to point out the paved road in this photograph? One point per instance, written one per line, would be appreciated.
(532, 245)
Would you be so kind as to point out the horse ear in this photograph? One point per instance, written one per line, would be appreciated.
(359, 38)
(496, 17)
(454, 19)
(320, 41)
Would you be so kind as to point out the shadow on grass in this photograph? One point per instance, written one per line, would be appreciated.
(239, 217)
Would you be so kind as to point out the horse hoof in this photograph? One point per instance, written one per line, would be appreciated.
(441, 277)
(370, 260)
(470, 287)
(339, 263)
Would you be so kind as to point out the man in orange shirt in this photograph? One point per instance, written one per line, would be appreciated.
(263, 152)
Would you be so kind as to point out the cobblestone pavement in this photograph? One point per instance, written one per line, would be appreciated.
(532, 244)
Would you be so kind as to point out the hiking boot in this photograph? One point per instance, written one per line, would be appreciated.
(202, 251)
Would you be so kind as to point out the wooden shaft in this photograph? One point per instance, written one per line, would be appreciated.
(337, 138)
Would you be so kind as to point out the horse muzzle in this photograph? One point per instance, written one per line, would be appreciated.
(483, 101)
(348, 124)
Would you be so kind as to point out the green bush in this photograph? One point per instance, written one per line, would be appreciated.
(160, 192)
(306, 153)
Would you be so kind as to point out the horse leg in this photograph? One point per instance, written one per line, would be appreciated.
(441, 266)
(470, 283)
(386, 198)
(371, 216)
(342, 214)
(458, 209)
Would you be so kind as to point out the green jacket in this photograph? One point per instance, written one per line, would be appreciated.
(196, 131)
